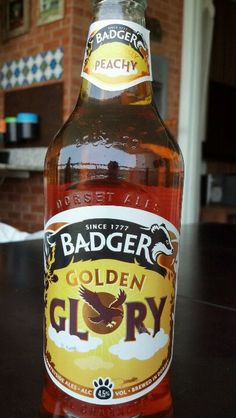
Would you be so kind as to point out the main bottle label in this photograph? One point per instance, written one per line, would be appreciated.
(110, 279)
(117, 55)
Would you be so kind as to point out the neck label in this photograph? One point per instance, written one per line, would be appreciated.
(117, 55)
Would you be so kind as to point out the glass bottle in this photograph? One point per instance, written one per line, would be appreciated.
(113, 193)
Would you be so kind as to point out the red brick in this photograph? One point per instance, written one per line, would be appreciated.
(29, 217)
(35, 227)
(14, 215)
(37, 178)
(38, 208)
(51, 44)
(22, 226)
(58, 33)
(16, 197)
(37, 189)
(30, 198)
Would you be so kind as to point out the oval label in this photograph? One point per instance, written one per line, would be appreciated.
(117, 55)
(110, 282)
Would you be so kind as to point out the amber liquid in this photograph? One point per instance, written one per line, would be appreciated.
(113, 154)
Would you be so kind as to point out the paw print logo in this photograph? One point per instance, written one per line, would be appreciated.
(103, 388)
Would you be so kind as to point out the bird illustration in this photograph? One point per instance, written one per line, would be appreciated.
(105, 313)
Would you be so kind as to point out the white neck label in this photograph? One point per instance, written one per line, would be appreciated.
(117, 55)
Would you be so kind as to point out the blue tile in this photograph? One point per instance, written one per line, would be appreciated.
(53, 64)
(34, 69)
(17, 72)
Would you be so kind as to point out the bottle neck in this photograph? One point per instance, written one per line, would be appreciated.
(116, 12)
(140, 94)
(131, 10)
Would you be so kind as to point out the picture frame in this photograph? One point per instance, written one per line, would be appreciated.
(49, 11)
(17, 18)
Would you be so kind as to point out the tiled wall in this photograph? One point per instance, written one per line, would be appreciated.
(31, 69)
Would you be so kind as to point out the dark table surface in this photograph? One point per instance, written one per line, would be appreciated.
(204, 366)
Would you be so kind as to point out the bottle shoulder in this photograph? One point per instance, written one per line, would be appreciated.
(127, 129)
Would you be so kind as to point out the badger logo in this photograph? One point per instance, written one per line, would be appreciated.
(116, 33)
(106, 238)
(142, 47)
(161, 244)
(89, 49)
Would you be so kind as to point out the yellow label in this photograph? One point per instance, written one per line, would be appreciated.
(117, 55)
(109, 296)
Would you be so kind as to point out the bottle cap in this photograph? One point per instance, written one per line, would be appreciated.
(27, 118)
(2, 126)
(10, 119)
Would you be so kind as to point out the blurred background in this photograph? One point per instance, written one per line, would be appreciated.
(193, 45)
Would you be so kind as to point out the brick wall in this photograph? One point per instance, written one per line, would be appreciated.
(82, 16)
(21, 201)
(170, 14)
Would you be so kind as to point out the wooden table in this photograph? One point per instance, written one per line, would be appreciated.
(204, 367)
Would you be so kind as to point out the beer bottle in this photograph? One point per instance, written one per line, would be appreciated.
(113, 190)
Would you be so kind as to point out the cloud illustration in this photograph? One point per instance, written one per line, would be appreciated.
(144, 348)
(93, 363)
(63, 339)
